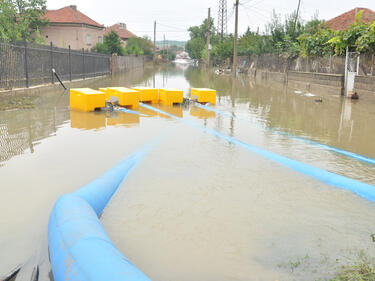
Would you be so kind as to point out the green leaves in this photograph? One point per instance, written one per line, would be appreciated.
(139, 46)
(19, 20)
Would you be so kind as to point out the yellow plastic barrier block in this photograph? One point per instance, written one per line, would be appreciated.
(148, 94)
(170, 96)
(204, 95)
(103, 90)
(85, 99)
(126, 97)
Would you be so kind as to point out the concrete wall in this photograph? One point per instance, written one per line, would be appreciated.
(75, 35)
(307, 81)
(364, 84)
(124, 63)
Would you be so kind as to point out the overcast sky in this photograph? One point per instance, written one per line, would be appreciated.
(175, 16)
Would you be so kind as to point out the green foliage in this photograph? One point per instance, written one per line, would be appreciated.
(168, 54)
(290, 37)
(139, 46)
(366, 42)
(21, 19)
(111, 45)
(252, 43)
(198, 35)
(195, 46)
(223, 50)
(316, 44)
(100, 48)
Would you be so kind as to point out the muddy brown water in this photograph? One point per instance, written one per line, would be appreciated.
(197, 207)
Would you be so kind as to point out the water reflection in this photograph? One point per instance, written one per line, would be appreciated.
(201, 113)
(87, 120)
(22, 130)
(122, 119)
(176, 110)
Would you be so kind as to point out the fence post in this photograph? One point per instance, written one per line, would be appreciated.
(83, 62)
(372, 65)
(51, 61)
(330, 63)
(70, 64)
(26, 68)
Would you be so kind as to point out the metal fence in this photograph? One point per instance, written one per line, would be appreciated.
(25, 65)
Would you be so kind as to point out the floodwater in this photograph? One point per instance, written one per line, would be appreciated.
(197, 207)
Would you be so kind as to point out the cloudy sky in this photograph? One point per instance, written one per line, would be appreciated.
(173, 17)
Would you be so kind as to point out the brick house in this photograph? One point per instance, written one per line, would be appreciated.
(343, 21)
(121, 30)
(68, 26)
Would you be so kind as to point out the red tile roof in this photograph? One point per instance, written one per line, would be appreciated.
(343, 21)
(69, 14)
(121, 31)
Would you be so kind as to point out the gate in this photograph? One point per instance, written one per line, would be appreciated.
(351, 70)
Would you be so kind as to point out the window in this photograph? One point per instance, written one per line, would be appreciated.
(100, 39)
(88, 39)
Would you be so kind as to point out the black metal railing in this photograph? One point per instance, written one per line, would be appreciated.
(25, 64)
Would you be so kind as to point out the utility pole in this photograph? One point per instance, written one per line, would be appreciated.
(208, 38)
(164, 45)
(295, 20)
(234, 70)
(154, 41)
(167, 48)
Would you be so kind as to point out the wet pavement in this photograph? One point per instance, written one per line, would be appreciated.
(197, 207)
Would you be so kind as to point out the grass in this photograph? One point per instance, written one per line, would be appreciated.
(362, 269)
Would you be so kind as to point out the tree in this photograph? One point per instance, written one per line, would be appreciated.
(195, 47)
(111, 45)
(139, 46)
(198, 35)
(21, 19)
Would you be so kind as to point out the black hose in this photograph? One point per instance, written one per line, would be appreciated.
(58, 78)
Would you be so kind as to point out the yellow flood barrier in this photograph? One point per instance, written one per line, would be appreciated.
(86, 99)
(126, 97)
(170, 96)
(203, 95)
(148, 94)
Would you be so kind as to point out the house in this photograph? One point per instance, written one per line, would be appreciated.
(343, 21)
(121, 30)
(69, 27)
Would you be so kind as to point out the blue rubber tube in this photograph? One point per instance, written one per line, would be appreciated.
(125, 110)
(324, 146)
(79, 247)
(364, 190)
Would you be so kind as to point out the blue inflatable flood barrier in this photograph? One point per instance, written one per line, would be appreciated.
(324, 146)
(131, 111)
(79, 247)
(364, 190)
